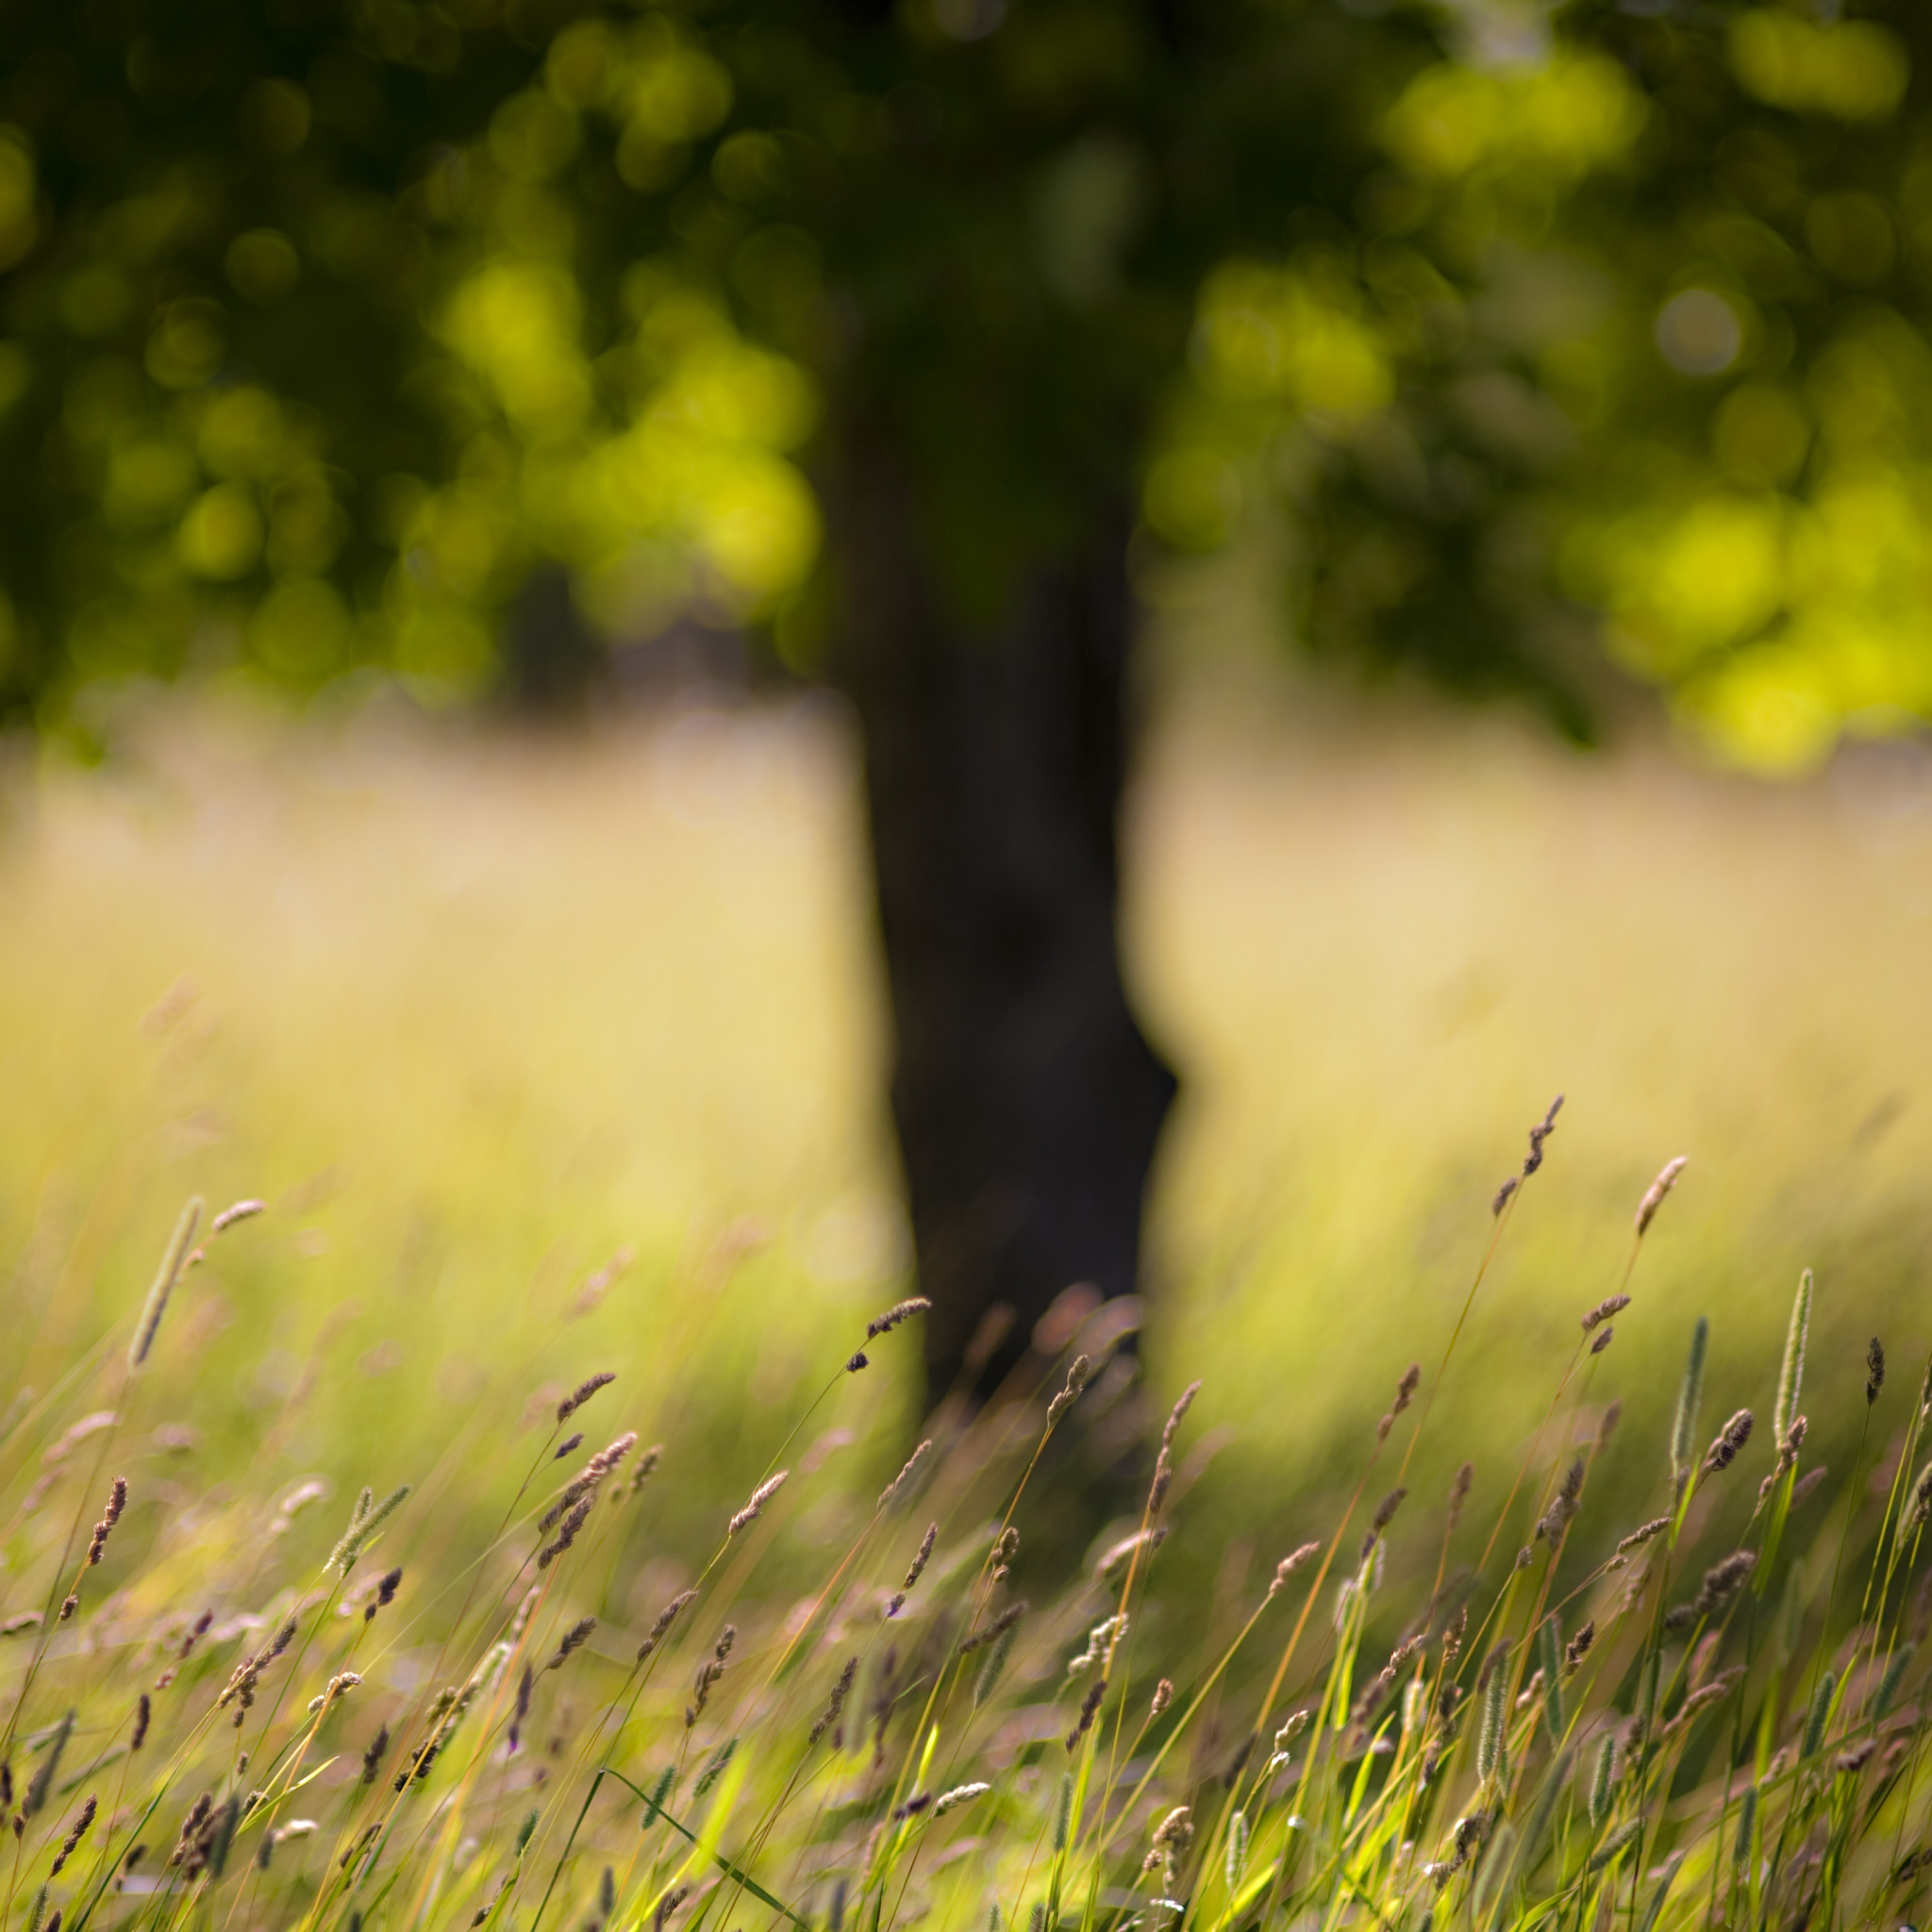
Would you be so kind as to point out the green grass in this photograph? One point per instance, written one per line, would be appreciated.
(473, 1019)
(240, 1716)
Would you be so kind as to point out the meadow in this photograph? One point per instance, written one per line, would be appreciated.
(553, 1065)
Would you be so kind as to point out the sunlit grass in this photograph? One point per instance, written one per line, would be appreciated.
(475, 1018)
(553, 1063)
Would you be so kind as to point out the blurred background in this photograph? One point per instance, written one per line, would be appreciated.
(773, 655)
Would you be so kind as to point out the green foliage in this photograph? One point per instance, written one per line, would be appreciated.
(323, 326)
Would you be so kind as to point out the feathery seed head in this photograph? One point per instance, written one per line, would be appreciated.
(1289, 1564)
(891, 1488)
(1611, 1305)
(1790, 1381)
(1538, 1135)
(1689, 1398)
(754, 1508)
(899, 1312)
(582, 1393)
(1728, 1441)
(174, 1257)
(1653, 1194)
(666, 1617)
(1077, 1373)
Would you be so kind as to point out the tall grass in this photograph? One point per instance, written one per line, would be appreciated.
(1500, 1706)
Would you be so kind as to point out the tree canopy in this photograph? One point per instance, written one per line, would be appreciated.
(322, 324)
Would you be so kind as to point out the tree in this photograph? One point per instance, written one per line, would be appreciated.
(892, 329)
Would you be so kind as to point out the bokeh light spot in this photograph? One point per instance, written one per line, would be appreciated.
(1698, 332)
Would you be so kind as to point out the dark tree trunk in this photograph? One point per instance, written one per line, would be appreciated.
(1027, 1100)
(551, 661)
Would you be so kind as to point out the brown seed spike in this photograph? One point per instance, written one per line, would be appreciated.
(1178, 1413)
(1654, 1196)
(1076, 1381)
(573, 1639)
(1730, 1438)
(840, 1691)
(899, 1312)
(567, 1533)
(1090, 1705)
(1538, 1135)
(1289, 1565)
(1504, 1195)
(754, 1508)
(582, 1393)
(904, 1475)
(666, 1617)
(1874, 1371)
(385, 1594)
(912, 1574)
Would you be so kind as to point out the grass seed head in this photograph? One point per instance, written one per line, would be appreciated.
(666, 1617)
(1791, 1380)
(43, 1779)
(1289, 1564)
(892, 1489)
(1077, 1373)
(1611, 1305)
(117, 1501)
(1818, 1715)
(174, 1257)
(1005, 1621)
(1603, 1783)
(754, 1508)
(582, 1393)
(1653, 1194)
(567, 1533)
(1538, 1135)
(915, 1569)
(76, 1833)
(385, 1594)
(1728, 1441)
(836, 1704)
(573, 1639)
(898, 1312)
(1689, 1398)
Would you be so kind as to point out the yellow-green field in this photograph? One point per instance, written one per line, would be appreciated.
(473, 1017)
